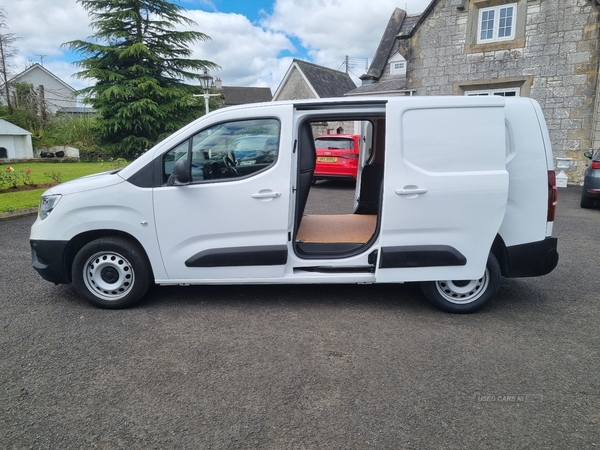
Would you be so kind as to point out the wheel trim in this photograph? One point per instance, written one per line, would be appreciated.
(463, 292)
(108, 275)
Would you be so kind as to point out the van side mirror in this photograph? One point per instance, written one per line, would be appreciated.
(587, 154)
(181, 173)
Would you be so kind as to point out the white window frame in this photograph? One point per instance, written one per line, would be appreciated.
(397, 59)
(398, 70)
(502, 91)
(496, 23)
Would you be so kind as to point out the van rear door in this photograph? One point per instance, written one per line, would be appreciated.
(445, 188)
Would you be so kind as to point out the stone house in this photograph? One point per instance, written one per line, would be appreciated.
(308, 80)
(544, 49)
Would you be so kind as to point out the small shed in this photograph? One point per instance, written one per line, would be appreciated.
(15, 142)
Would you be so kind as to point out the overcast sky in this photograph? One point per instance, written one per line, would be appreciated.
(253, 41)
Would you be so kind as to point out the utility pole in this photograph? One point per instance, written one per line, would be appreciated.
(42, 103)
(354, 63)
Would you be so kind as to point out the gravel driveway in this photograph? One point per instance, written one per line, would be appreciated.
(293, 367)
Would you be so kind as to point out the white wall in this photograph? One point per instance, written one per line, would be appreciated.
(19, 147)
(56, 94)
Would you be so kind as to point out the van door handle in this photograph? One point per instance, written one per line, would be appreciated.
(265, 194)
(410, 190)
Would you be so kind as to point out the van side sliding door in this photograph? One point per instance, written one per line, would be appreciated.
(445, 188)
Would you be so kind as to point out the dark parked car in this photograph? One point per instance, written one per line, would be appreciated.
(591, 182)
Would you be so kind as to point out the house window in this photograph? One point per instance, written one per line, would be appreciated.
(3, 152)
(497, 23)
(397, 65)
(398, 68)
(506, 92)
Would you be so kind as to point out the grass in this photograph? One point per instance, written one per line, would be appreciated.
(15, 201)
(43, 173)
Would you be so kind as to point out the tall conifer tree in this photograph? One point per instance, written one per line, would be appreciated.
(140, 63)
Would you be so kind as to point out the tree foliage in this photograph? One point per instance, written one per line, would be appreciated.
(7, 51)
(140, 63)
(25, 108)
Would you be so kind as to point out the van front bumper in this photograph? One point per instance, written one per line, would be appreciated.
(532, 259)
(48, 258)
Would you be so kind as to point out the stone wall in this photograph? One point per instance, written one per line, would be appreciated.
(554, 61)
(295, 88)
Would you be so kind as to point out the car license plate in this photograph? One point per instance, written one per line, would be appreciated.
(326, 159)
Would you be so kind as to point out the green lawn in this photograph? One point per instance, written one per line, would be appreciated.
(40, 172)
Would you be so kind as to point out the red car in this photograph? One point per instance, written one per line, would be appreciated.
(337, 156)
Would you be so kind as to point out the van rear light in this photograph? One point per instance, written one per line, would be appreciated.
(552, 195)
(595, 164)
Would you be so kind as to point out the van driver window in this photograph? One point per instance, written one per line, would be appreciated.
(227, 151)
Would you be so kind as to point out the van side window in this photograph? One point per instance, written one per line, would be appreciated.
(228, 150)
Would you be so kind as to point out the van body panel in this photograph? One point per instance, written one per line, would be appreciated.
(532, 259)
(120, 207)
(447, 186)
(527, 165)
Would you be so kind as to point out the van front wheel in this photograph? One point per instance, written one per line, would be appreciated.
(465, 296)
(111, 272)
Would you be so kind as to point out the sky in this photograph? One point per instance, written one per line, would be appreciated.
(253, 41)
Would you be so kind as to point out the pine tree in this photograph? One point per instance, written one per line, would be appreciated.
(140, 63)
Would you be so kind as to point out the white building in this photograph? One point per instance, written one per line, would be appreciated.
(15, 142)
(57, 94)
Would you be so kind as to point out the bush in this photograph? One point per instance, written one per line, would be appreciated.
(50, 130)
(11, 178)
(73, 131)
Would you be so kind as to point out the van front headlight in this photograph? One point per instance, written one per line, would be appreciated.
(47, 204)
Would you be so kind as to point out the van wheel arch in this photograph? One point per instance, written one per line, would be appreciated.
(112, 272)
(79, 241)
(501, 253)
(464, 297)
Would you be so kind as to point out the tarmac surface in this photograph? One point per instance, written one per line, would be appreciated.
(294, 367)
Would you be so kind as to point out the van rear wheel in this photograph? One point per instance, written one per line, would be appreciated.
(111, 272)
(465, 296)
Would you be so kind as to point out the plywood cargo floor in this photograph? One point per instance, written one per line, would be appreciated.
(350, 228)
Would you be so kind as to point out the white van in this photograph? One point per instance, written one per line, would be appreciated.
(456, 193)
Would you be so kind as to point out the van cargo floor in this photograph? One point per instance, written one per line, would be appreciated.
(347, 228)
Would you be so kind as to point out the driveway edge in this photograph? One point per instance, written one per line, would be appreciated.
(16, 214)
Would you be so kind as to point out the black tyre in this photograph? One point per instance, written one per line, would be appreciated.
(586, 202)
(466, 296)
(111, 272)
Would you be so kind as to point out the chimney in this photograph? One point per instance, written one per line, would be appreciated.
(218, 84)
